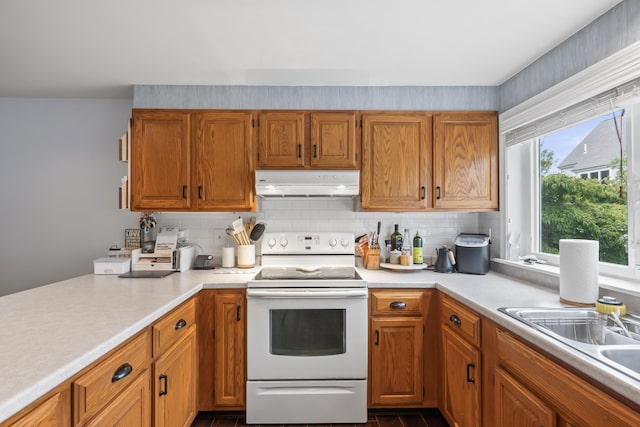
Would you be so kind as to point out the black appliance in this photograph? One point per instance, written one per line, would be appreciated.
(472, 253)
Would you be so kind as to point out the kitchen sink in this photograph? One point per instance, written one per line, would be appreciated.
(574, 324)
(629, 357)
(586, 330)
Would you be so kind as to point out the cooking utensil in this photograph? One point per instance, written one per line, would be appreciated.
(257, 231)
(232, 233)
(252, 223)
(238, 228)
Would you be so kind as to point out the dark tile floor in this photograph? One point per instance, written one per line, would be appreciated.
(409, 418)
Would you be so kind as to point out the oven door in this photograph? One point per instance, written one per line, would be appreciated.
(308, 333)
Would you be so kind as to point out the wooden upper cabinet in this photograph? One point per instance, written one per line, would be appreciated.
(282, 139)
(223, 170)
(160, 161)
(310, 140)
(396, 159)
(465, 165)
(333, 140)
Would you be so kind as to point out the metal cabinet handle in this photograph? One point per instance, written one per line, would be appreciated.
(299, 150)
(315, 151)
(238, 308)
(438, 192)
(424, 192)
(164, 389)
(455, 320)
(470, 366)
(377, 340)
(123, 370)
(200, 192)
(398, 305)
(180, 324)
(184, 191)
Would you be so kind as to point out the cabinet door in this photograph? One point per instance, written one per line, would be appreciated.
(132, 407)
(333, 141)
(223, 162)
(230, 358)
(461, 381)
(55, 411)
(175, 384)
(465, 163)
(396, 159)
(160, 161)
(396, 361)
(282, 140)
(518, 407)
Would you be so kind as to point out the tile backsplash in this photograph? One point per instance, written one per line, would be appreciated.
(207, 230)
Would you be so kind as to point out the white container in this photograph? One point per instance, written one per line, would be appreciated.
(579, 272)
(228, 257)
(246, 256)
(111, 265)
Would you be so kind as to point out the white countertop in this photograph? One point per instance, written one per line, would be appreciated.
(52, 332)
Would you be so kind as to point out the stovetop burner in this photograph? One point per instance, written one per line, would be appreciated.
(308, 260)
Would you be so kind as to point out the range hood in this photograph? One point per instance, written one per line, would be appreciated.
(307, 183)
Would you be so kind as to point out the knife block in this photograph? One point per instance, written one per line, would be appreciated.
(372, 258)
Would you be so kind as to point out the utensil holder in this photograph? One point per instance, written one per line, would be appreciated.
(246, 256)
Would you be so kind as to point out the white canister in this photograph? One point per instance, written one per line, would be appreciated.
(394, 257)
(228, 257)
(246, 256)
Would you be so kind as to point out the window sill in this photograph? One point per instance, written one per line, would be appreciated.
(549, 276)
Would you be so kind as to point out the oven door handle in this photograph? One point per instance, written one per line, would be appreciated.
(307, 293)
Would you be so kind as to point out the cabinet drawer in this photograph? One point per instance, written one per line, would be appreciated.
(397, 302)
(173, 326)
(100, 384)
(463, 320)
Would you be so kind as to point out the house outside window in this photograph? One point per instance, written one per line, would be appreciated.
(569, 207)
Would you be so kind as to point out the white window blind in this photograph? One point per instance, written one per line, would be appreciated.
(589, 108)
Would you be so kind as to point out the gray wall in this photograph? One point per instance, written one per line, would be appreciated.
(611, 32)
(318, 97)
(59, 174)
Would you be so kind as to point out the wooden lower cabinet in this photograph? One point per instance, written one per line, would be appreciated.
(175, 384)
(53, 410)
(131, 408)
(402, 367)
(222, 349)
(516, 406)
(461, 385)
(396, 360)
(541, 382)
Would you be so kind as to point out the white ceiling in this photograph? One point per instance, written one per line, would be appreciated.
(100, 48)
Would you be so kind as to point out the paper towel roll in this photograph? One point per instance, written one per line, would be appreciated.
(579, 271)
(228, 257)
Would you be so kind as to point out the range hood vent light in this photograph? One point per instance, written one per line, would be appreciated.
(307, 183)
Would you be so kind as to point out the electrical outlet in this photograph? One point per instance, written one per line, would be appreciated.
(219, 238)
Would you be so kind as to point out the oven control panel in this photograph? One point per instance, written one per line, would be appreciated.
(308, 243)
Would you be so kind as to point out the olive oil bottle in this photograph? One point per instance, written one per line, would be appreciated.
(417, 249)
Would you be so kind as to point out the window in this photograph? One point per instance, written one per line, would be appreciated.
(589, 95)
(572, 207)
(572, 183)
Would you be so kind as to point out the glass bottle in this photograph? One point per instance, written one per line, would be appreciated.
(417, 249)
(406, 243)
(396, 239)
